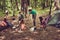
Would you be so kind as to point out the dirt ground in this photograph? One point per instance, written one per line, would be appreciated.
(50, 33)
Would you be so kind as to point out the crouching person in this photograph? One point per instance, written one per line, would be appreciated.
(21, 17)
(42, 23)
(22, 25)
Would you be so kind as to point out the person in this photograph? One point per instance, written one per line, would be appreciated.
(22, 25)
(2, 25)
(45, 20)
(5, 24)
(9, 24)
(41, 19)
(21, 17)
(44, 23)
(33, 12)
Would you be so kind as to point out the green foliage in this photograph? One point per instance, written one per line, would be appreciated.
(1, 13)
(13, 9)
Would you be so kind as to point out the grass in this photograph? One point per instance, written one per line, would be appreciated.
(39, 11)
(42, 11)
(1, 13)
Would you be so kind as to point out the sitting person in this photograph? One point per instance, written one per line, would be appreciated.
(45, 20)
(5, 24)
(21, 17)
(44, 23)
(22, 25)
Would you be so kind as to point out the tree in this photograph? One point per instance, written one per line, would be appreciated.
(24, 6)
(28, 2)
(2, 4)
(56, 4)
(17, 4)
(50, 6)
(35, 2)
(43, 4)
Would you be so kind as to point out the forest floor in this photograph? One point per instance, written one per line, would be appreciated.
(50, 33)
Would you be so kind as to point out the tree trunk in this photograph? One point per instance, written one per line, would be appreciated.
(24, 6)
(46, 3)
(56, 4)
(11, 3)
(4, 5)
(35, 1)
(50, 6)
(43, 4)
(17, 4)
(12, 7)
(28, 2)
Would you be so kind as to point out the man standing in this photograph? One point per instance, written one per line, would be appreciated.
(33, 12)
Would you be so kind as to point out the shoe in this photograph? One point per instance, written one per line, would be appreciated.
(32, 28)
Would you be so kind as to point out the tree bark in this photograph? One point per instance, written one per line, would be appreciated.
(24, 5)
(4, 5)
(28, 2)
(50, 7)
(35, 1)
(17, 4)
(56, 4)
(43, 4)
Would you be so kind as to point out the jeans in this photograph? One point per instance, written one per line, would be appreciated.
(34, 19)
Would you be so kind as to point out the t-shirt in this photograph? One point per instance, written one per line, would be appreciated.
(33, 12)
(21, 16)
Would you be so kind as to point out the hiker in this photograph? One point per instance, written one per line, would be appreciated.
(41, 19)
(5, 24)
(33, 12)
(22, 25)
(2, 25)
(44, 23)
(45, 20)
(9, 24)
(21, 17)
